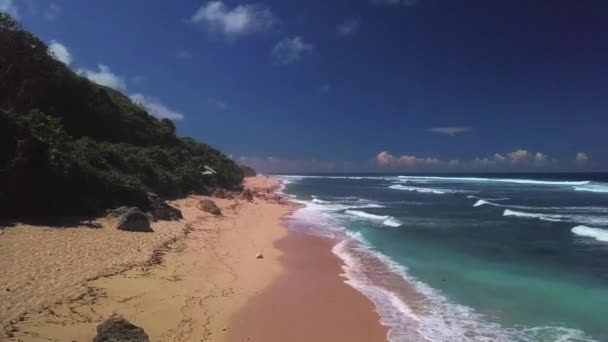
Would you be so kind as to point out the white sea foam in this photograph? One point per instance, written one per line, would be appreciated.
(600, 188)
(499, 180)
(385, 219)
(438, 318)
(543, 217)
(596, 233)
(601, 220)
(419, 189)
(572, 210)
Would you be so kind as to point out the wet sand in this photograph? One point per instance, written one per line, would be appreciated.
(309, 301)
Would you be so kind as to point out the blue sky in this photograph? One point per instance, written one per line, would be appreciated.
(354, 85)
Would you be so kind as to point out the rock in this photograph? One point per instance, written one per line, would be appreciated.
(134, 221)
(209, 206)
(161, 210)
(220, 193)
(259, 256)
(118, 329)
(119, 212)
(247, 195)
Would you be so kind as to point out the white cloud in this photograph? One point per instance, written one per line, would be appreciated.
(405, 3)
(9, 7)
(519, 156)
(52, 12)
(451, 131)
(582, 158)
(239, 21)
(347, 28)
(60, 52)
(386, 159)
(540, 158)
(519, 159)
(156, 108)
(104, 76)
(291, 50)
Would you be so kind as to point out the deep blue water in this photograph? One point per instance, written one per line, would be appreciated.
(483, 257)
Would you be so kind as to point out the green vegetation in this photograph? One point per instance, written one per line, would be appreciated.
(248, 171)
(69, 146)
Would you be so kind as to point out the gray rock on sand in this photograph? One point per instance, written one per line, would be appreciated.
(133, 220)
(118, 329)
(209, 206)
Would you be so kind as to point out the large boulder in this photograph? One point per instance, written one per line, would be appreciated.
(133, 220)
(118, 329)
(209, 206)
(161, 210)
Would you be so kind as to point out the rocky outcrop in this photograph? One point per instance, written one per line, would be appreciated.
(209, 206)
(118, 329)
(133, 220)
(161, 210)
(223, 193)
(247, 195)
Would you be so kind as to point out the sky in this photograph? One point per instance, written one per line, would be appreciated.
(354, 85)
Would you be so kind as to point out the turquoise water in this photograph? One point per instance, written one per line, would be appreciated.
(470, 258)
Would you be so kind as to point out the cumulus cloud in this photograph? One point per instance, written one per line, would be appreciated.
(291, 50)
(239, 21)
(386, 159)
(451, 131)
(60, 52)
(105, 77)
(405, 3)
(52, 12)
(518, 159)
(582, 158)
(9, 7)
(347, 28)
(156, 108)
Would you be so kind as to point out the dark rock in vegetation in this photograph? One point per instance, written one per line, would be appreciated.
(209, 206)
(133, 220)
(118, 329)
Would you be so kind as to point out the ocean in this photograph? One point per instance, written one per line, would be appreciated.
(480, 257)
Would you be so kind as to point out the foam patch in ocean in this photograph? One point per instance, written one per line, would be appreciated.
(499, 180)
(574, 218)
(595, 233)
(426, 190)
(385, 219)
(599, 188)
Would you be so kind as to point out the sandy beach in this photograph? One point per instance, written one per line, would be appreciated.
(193, 280)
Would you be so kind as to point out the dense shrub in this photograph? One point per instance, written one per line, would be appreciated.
(69, 146)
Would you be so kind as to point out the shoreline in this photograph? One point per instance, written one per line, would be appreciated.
(309, 301)
(192, 280)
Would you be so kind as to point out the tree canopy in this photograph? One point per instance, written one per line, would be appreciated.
(70, 146)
